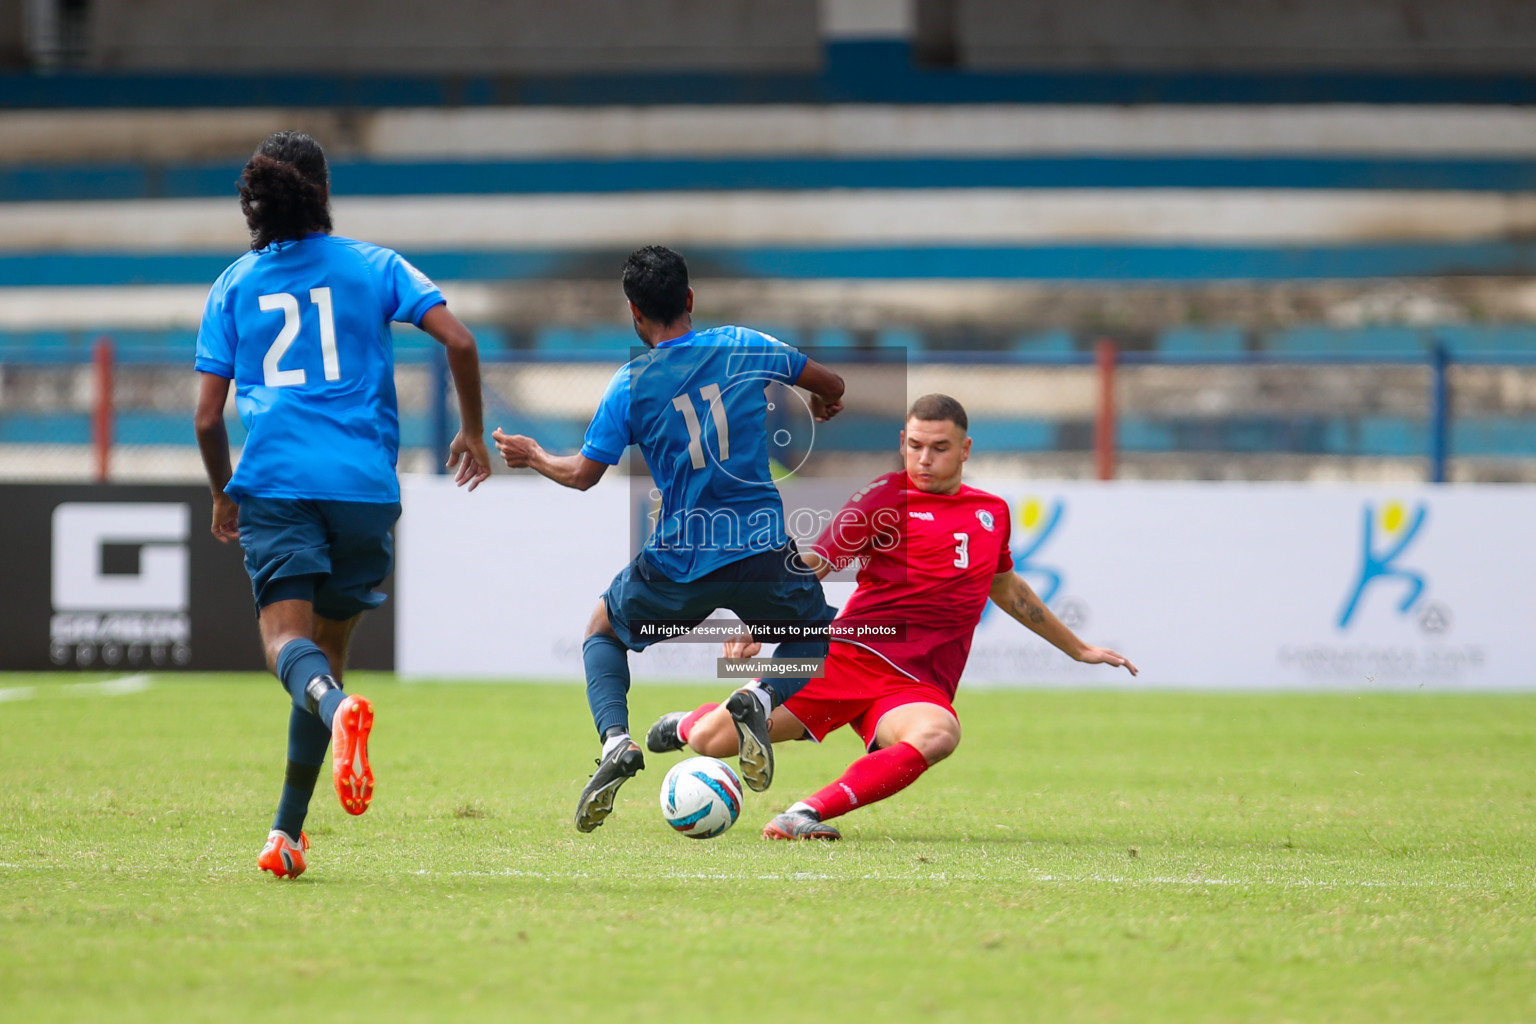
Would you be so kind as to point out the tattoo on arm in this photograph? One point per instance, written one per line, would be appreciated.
(1025, 608)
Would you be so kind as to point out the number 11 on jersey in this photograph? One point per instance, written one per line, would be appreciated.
(683, 404)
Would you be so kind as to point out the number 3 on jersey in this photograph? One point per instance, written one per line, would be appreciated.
(962, 550)
(321, 297)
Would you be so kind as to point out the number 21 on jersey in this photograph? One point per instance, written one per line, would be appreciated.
(321, 297)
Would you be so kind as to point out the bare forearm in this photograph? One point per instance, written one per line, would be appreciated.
(464, 367)
(564, 470)
(213, 446)
(1019, 600)
(814, 562)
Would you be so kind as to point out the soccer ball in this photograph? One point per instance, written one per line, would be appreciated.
(700, 797)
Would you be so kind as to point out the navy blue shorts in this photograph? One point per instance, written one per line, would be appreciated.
(760, 589)
(330, 553)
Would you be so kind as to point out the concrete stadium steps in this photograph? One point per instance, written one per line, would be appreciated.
(152, 138)
(565, 226)
(1130, 264)
(794, 172)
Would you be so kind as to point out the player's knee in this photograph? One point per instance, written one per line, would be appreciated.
(714, 735)
(936, 743)
(274, 646)
(599, 625)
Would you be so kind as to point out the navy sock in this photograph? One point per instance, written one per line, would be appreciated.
(607, 664)
(297, 663)
(307, 741)
(329, 702)
(783, 689)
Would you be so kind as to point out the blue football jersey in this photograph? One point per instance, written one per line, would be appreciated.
(696, 407)
(302, 328)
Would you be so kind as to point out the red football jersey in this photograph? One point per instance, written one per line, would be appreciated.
(928, 563)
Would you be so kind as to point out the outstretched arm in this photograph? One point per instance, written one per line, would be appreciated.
(213, 445)
(826, 390)
(1014, 596)
(467, 451)
(521, 452)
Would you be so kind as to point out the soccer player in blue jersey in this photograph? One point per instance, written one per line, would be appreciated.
(695, 405)
(301, 325)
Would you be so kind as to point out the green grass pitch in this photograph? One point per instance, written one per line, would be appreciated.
(1130, 857)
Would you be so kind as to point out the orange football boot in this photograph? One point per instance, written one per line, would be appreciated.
(349, 753)
(282, 856)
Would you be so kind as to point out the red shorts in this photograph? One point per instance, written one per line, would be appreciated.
(858, 689)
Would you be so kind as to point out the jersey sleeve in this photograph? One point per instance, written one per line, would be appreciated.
(610, 431)
(408, 293)
(1005, 552)
(216, 335)
(869, 521)
(763, 355)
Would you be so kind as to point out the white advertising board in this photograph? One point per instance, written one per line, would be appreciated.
(1213, 586)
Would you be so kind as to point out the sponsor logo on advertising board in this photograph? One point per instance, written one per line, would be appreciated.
(121, 584)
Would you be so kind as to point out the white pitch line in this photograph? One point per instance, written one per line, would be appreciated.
(17, 693)
(805, 876)
(111, 687)
(943, 876)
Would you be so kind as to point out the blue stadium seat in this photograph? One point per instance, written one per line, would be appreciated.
(1187, 342)
(1486, 339)
(1014, 435)
(1055, 341)
(39, 340)
(907, 338)
(1320, 340)
(597, 338)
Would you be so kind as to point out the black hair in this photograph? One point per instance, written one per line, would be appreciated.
(656, 281)
(936, 407)
(283, 189)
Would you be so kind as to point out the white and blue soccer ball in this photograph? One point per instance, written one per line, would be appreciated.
(701, 797)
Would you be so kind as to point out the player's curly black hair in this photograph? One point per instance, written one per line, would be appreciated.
(656, 281)
(284, 191)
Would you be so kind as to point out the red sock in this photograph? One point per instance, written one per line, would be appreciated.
(872, 777)
(686, 725)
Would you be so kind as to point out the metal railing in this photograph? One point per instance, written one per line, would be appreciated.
(1108, 361)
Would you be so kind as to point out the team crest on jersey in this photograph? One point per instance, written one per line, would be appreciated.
(986, 518)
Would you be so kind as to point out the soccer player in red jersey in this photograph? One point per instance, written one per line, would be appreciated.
(933, 552)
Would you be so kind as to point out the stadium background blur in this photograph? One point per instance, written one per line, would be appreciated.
(1303, 225)
(1271, 241)
(1281, 214)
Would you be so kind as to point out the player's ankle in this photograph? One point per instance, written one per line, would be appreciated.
(761, 694)
(615, 738)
